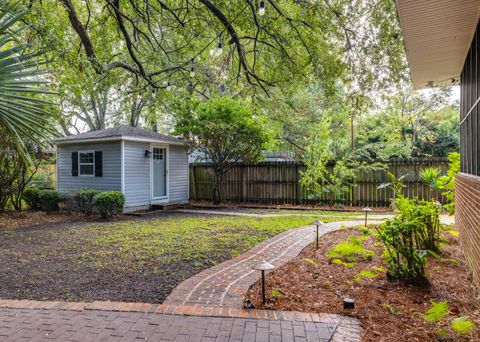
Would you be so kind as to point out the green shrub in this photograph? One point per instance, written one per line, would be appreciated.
(109, 203)
(447, 182)
(49, 200)
(84, 199)
(32, 197)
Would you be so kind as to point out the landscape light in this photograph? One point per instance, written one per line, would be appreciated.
(168, 85)
(261, 11)
(263, 266)
(220, 45)
(192, 68)
(366, 210)
(317, 223)
(348, 303)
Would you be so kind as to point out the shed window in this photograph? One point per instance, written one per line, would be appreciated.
(86, 163)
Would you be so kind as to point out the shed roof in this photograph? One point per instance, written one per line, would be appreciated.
(122, 132)
(437, 36)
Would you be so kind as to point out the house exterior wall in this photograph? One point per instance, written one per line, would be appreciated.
(467, 186)
(136, 174)
(111, 178)
(178, 174)
(467, 219)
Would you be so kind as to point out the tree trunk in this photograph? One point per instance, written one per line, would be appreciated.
(217, 178)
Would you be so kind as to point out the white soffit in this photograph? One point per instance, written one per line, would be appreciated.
(437, 36)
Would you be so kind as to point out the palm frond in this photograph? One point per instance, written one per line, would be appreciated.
(23, 115)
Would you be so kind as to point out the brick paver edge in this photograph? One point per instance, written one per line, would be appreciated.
(182, 310)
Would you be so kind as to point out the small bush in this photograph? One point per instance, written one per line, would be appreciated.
(49, 200)
(109, 203)
(32, 197)
(84, 199)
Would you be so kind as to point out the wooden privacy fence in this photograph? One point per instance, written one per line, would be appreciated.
(279, 183)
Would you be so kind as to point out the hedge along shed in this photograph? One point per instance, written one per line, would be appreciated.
(148, 167)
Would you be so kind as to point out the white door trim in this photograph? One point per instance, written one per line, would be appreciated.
(163, 199)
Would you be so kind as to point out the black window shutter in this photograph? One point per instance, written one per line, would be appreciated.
(98, 164)
(74, 164)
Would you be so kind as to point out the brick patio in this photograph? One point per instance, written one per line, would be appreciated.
(137, 321)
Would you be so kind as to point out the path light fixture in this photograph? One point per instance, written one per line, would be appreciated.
(317, 224)
(366, 210)
(348, 303)
(263, 266)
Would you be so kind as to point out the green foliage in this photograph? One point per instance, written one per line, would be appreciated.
(32, 197)
(311, 262)
(409, 237)
(430, 176)
(49, 200)
(436, 312)
(390, 309)
(23, 115)
(349, 250)
(84, 199)
(277, 293)
(365, 274)
(462, 325)
(109, 203)
(227, 131)
(343, 263)
(447, 182)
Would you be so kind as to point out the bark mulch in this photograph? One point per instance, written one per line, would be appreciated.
(29, 218)
(227, 205)
(389, 310)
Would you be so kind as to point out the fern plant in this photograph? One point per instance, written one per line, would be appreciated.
(462, 325)
(349, 250)
(437, 311)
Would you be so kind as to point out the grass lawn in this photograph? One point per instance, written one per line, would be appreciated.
(131, 260)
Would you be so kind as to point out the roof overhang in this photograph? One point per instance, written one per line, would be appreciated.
(118, 138)
(437, 36)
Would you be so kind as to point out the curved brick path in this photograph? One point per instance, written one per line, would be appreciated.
(225, 285)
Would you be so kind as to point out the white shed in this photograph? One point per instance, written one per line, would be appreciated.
(148, 167)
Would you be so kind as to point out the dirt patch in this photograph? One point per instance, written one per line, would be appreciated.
(387, 309)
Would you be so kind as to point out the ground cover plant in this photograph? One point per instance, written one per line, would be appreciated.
(140, 259)
(390, 310)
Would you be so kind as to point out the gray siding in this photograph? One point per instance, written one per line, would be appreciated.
(178, 174)
(137, 174)
(111, 179)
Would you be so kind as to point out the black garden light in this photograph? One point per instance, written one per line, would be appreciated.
(348, 303)
(261, 10)
(263, 266)
(366, 210)
(317, 223)
(192, 68)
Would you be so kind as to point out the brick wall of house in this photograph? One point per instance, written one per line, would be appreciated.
(467, 219)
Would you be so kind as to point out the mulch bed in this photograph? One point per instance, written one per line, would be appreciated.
(322, 288)
(28, 218)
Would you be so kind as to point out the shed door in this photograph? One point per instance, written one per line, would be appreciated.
(159, 172)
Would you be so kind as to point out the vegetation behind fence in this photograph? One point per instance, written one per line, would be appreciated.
(278, 183)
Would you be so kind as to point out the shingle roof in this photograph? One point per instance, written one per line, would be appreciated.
(121, 131)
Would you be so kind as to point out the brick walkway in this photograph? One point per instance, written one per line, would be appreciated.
(225, 285)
